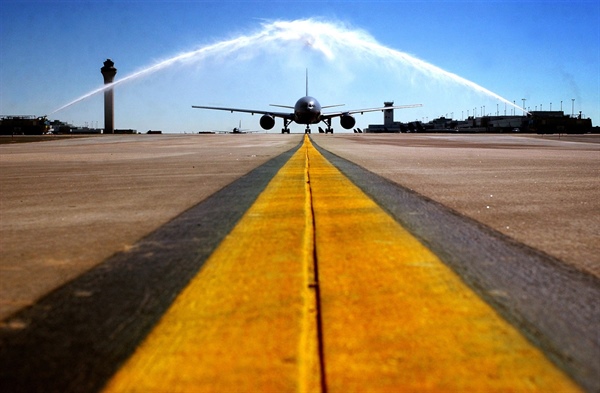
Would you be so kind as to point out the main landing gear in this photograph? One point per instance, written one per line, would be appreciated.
(328, 129)
(285, 129)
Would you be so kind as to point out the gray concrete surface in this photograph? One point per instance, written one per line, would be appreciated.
(552, 303)
(543, 191)
(65, 206)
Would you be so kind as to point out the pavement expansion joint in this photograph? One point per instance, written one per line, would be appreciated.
(314, 275)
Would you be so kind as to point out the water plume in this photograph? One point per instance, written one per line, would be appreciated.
(331, 40)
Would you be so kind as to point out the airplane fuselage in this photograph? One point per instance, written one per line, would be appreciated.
(307, 111)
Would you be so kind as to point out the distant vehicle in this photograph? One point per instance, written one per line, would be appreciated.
(516, 130)
(24, 125)
(307, 111)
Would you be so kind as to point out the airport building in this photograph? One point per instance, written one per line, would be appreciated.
(540, 122)
(23, 125)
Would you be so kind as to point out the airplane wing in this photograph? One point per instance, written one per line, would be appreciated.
(291, 107)
(285, 115)
(361, 111)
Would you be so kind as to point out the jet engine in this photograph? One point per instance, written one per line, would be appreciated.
(267, 122)
(347, 121)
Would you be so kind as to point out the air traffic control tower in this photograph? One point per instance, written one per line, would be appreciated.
(108, 72)
(388, 115)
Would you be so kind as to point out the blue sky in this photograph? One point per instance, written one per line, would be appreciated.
(51, 54)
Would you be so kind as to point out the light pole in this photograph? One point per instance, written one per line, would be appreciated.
(572, 107)
(524, 106)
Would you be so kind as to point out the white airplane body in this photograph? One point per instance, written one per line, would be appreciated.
(307, 110)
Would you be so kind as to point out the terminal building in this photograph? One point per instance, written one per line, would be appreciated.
(540, 122)
(32, 125)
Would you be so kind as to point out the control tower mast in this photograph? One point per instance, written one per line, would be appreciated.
(108, 72)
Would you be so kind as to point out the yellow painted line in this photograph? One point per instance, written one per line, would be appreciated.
(394, 318)
(247, 321)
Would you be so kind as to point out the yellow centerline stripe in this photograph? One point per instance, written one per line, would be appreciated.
(246, 322)
(394, 318)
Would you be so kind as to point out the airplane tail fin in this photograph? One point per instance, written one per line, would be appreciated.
(307, 82)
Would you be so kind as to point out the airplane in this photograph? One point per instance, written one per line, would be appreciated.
(237, 130)
(307, 110)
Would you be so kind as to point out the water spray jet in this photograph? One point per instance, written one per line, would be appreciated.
(326, 38)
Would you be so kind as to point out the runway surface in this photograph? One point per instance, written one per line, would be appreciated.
(355, 333)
